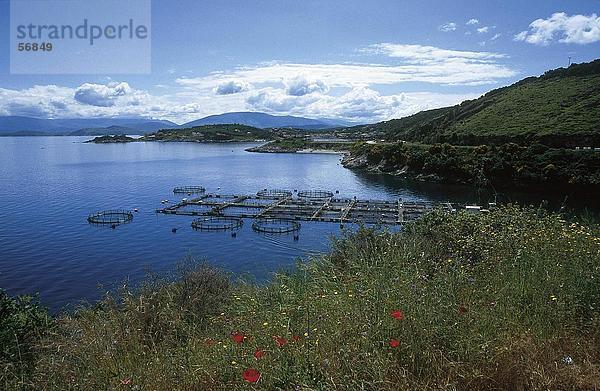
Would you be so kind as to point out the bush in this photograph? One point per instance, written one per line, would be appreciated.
(23, 321)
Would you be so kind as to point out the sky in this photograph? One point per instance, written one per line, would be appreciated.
(356, 60)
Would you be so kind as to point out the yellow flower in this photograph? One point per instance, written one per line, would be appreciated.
(266, 324)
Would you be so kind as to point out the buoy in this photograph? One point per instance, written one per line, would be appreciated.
(174, 230)
(136, 210)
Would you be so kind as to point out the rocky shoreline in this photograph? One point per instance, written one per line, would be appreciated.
(360, 162)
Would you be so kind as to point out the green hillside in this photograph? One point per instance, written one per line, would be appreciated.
(211, 133)
(559, 108)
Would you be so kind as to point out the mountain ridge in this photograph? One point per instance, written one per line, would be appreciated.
(21, 125)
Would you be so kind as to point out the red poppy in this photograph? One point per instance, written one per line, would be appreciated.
(394, 343)
(238, 337)
(259, 354)
(280, 341)
(462, 309)
(296, 338)
(251, 375)
(397, 314)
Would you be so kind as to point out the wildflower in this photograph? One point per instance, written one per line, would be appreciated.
(126, 381)
(280, 341)
(259, 354)
(397, 314)
(394, 343)
(238, 337)
(251, 375)
(462, 309)
(296, 338)
(266, 324)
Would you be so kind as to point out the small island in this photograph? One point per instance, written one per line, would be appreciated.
(112, 139)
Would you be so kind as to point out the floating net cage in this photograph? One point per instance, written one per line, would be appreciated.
(275, 226)
(274, 193)
(315, 194)
(217, 223)
(189, 190)
(112, 217)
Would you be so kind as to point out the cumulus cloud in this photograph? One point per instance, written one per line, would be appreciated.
(416, 63)
(483, 29)
(101, 95)
(301, 85)
(351, 91)
(361, 104)
(447, 27)
(231, 87)
(472, 22)
(578, 29)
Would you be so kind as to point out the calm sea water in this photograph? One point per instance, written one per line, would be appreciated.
(48, 186)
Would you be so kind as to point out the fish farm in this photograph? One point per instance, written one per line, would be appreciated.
(273, 210)
(110, 217)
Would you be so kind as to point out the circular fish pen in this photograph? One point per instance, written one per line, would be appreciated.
(189, 190)
(275, 226)
(110, 217)
(274, 193)
(217, 223)
(315, 194)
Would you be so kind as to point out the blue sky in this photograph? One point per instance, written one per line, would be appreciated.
(354, 60)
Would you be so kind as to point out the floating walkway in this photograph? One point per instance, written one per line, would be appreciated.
(306, 205)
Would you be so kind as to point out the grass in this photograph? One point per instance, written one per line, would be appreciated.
(505, 300)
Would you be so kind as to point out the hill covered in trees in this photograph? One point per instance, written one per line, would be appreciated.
(560, 108)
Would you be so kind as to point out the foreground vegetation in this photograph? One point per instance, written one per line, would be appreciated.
(509, 299)
(500, 166)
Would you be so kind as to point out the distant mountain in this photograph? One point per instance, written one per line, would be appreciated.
(262, 120)
(16, 125)
(110, 130)
(560, 108)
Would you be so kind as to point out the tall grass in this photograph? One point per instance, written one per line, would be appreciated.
(505, 300)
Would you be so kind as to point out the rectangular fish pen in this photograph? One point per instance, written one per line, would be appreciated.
(305, 205)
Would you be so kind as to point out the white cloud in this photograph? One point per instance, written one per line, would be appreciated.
(430, 53)
(471, 22)
(100, 94)
(447, 27)
(578, 29)
(351, 91)
(483, 29)
(358, 104)
(301, 85)
(495, 37)
(417, 63)
(231, 87)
